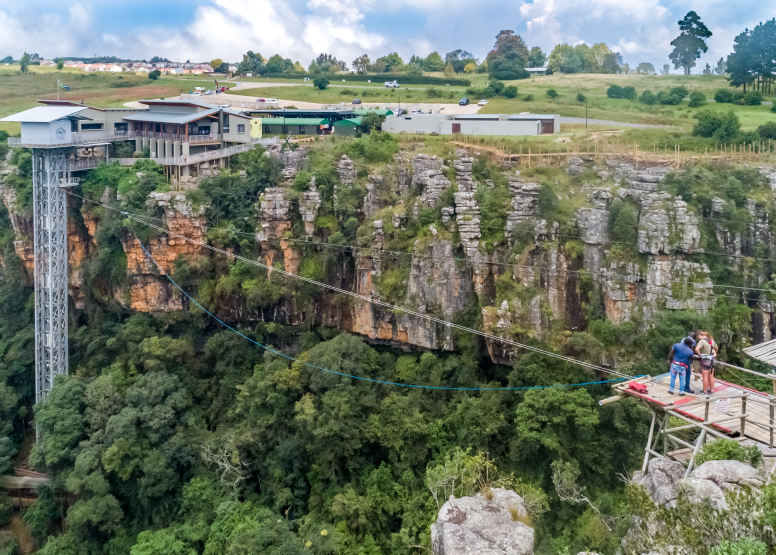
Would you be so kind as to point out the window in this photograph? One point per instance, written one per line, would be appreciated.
(302, 130)
(266, 129)
(74, 126)
(92, 126)
(241, 128)
(120, 128)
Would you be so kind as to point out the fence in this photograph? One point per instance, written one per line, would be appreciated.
(601, 149)
(76, 139)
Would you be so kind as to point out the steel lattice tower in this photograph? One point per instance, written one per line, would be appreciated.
(50, 173)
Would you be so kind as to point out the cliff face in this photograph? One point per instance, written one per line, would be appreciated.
(535, 282)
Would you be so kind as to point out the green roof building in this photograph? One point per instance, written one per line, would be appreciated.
(365, 111)
(294, 126)
(348, 127)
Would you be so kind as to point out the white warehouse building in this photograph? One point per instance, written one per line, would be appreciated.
(474, 124)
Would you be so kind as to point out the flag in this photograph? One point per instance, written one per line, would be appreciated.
(62, 86)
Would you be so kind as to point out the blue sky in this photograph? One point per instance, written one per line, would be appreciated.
(300, 29)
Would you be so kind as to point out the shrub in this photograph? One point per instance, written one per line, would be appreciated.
(547, 199)
(302, 181)
(681, 91)
(629, 93)
(743, 546)
(614, 91)
(581, 97)
(348, 92)
(433, 93)
(552, 93)
(722, 127)
(670, 99)
(497, 86)
(773, 108)
(738, 98)
(321, 83)
(753, 98)
(697, 99)
(648, 97)
(723, 96)
(488, 92)
(728, 450)
(154, 75)
(510, 92)
(528, 98)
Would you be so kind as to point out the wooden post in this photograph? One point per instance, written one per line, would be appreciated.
(701, 440)
(665, 434)
(529, 156)
(743, 418)
(770, 443)
(649, 440)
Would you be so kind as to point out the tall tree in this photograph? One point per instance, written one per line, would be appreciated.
(509, 57)
(434, 62)
(536, 57)
(721, 67)
(361, 63)
(690, 43)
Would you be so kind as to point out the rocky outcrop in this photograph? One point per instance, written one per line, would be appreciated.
(640, 179)
(434, 184)
(593, 222)
(274, 219)
(665, 226)
(308, 208)
(661, 480)
(667, 283)
(524, 204)
(346, 171)
(371, 200)
(729, 474)
(483, 526)
(146, 291)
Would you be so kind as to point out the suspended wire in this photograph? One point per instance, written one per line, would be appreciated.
(582, 273)
(270, 349)
(381, 303)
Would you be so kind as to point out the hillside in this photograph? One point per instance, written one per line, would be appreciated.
(175, 434)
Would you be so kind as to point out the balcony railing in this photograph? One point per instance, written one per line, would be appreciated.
(76, 139)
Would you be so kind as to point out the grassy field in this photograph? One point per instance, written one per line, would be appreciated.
(593, 86)
(105, 90)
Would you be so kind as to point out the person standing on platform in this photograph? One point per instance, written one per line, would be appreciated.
(679, 359)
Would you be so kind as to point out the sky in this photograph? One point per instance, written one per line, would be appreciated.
(200, 30)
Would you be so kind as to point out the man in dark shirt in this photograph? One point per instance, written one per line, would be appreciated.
(679, 359)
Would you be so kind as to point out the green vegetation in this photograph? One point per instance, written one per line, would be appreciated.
(729, 450)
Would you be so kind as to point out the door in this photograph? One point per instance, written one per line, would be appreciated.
(548, 126)
(456, 128)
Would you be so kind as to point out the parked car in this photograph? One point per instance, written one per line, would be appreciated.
(209, 91)
(482, 102)
(464, 102)
(196, 93)
(356, 101)
(224, 106)
(417, 111)
(261, 100)
(392, 84)
(275, 100)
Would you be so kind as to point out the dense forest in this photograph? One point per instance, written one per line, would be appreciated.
(175, 435)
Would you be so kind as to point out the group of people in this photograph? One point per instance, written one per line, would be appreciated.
(698, 352)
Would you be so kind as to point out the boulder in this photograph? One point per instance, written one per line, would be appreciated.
(475, 525)
(661, 480)
(726, 473)
(703, 491)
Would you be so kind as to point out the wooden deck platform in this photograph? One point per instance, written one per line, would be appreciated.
(733, 412)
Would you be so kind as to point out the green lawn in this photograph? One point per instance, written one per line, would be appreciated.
(593, 86)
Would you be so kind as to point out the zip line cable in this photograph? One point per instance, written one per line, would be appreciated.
(544, 352)
(429, 256)
(271, 350)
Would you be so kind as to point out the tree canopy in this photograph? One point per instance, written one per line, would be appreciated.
(690, 43)
(509, 57)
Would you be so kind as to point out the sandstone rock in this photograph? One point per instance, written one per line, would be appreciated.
(697, 490)
(308, 208)
(665, 226)
(593, 225)
(524, 203)
(729, 472)
(274, 220)
(378, 236)
(371, 203)
(474, 525)
(661, 480)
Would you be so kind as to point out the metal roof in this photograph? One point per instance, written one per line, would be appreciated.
(764, 352)
(45, 114)
(487, 117)
(172, 102)
(294, 121)
(531, 116)
(170, 117)
(298, 111)
(348, 121)
(379, 112)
